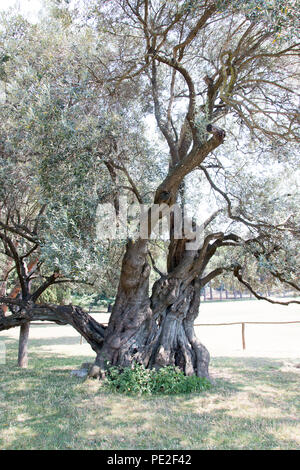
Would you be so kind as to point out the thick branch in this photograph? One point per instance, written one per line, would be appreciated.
(216, 272)
(49, 281)
(89, 328)
(18, 231)
(237, 274)
(19, 263)
(194, 31)
(194, 158)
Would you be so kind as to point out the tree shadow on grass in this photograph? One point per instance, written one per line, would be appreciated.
(41, 404)
(36, 342)
(208, 420)
(46, 408)
(254, 419)
(175, 430)
(64, 340)
(267, 371)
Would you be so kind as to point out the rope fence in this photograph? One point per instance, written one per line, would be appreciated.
(242, 323)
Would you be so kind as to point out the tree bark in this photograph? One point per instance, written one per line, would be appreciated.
(178, 304)
(131, 321)
(23, 345)
(155, 331)
(3, 285)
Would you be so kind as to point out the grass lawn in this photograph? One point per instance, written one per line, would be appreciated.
(254, 404)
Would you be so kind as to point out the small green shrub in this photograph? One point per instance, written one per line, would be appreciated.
(138, 380)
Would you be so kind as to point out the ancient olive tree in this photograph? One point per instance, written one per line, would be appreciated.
(220, 79)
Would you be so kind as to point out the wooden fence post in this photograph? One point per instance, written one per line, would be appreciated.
(243, 336)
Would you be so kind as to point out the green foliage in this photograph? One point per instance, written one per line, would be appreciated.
(56, 295)
(141, 381)
(65, 113)
(277, 15)
(53, 113)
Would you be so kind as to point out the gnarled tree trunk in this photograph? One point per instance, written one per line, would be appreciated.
(154, 330)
